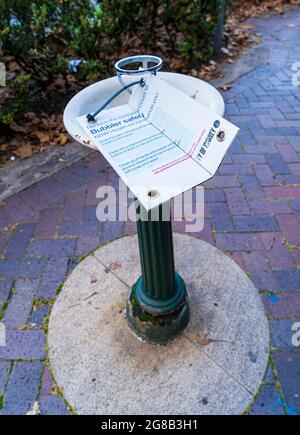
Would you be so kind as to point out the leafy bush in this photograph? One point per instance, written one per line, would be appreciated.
(23, 94)
(43, 35)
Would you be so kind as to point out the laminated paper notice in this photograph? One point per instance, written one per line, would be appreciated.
(162, 142)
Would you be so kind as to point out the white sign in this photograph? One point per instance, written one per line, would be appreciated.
(162, 138)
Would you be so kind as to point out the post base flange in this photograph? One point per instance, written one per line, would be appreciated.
(154, 325)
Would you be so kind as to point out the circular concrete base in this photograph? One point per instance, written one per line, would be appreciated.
(214, 367)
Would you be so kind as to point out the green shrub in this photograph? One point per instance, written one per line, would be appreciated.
(23, 94)
(43, 35)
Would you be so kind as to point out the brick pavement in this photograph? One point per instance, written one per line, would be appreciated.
(252, 213)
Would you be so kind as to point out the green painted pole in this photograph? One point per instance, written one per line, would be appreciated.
(157, 307)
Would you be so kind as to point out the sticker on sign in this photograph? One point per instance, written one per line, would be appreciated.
(161, 138)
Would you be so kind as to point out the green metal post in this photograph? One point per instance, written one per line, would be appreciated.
(157, 307)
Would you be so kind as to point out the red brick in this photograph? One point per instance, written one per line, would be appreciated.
(292, 192)
(290, 226)
(276, 251)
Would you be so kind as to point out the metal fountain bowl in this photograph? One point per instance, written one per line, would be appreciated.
(91, 98)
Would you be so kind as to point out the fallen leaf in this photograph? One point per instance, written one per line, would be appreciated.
(62, 139)
(24, 327)
(24, 151)
(42, 136)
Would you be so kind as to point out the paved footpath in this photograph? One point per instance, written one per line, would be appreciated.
(252, 213)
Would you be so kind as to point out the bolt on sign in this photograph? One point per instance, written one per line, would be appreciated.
(162, 138)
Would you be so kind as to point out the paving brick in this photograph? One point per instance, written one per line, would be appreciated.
(266, 121)
(53, 190)
(52, 277)
(292, 192)
(288, 279)
(22, 388)
(276, 251)
(69, 179)
(52, 248)
(282, 305)
(282, 131)
(53, 405)
(236, 201)
(20, 240)
(89, 214)
(237, 257)
(74, 203)
(49, 220)
(277, 164)
(220, 216)
(259, 149)
(294, 168)
(80, 229)
(9, 267)
(34, 197)
(294, 142)
(269, 376)
(49, 403)
(248, 159)
(296, 255)
(223, 181)
(265, 176)
(73, 262)
(83, 170)
(17, 210)
(288, 153)
(4, 371)
(237, 242)
(4, 220)
(5, 287)
(295, 205)
(246, 137)
(255, 223)
(290, 227)
(271, 207)
(31, 268)
(19, 308)
(29, 344)
(206, 233)
(86, 244)
(232, 169)
(38, 315)
(268, 402)
(287, 364)
(232, 109)
(214, 195)
(282, 333)
(260, 272)
(91, 198)
(252, 187)
(4, 237)
(276, 114)
(111, 230)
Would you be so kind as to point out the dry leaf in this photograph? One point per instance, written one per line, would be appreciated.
(225, 88)
(24, 151)
(62, 139)
(42, 136)
(24, 327)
